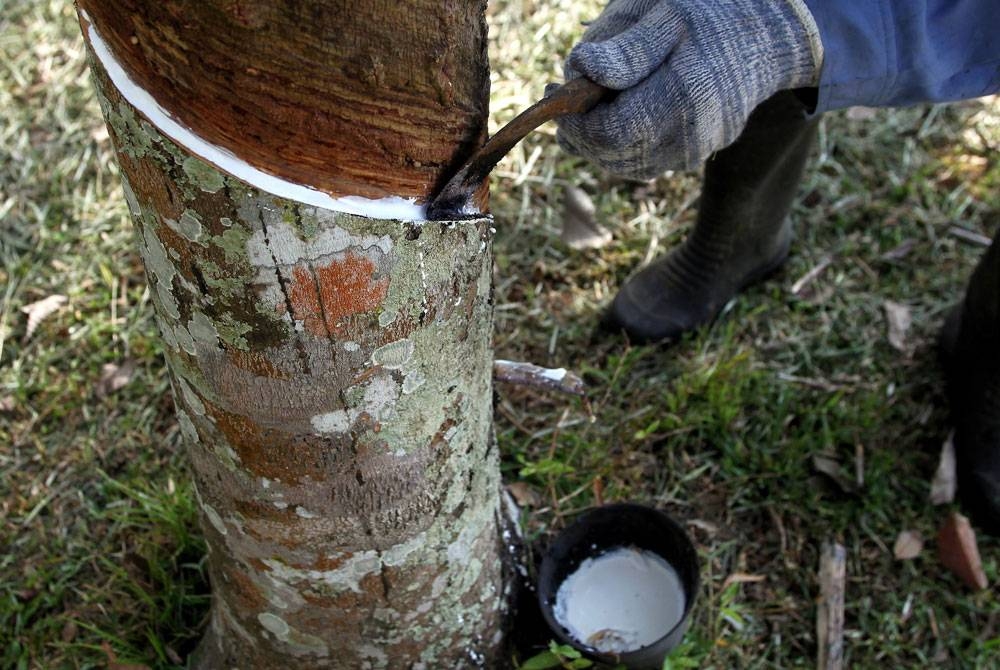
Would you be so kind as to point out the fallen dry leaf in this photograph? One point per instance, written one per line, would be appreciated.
(174, 657)
(580, 228)
(69, 631)
(7, 403)
(900, 320)
(945, 481)
(40, 310)
(524, 495)
(114, 664)
(25, 595)
(831, 468)
(907, 612)
(115, 377)
(959, 552)
(909, 544)
(707, 527)
(859, 113)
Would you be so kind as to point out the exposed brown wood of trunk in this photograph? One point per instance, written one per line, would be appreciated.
(354, 98)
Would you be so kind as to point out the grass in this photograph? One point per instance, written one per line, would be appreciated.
(102, 558)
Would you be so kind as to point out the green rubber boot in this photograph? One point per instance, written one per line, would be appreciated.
(742, 232)
(970, 345)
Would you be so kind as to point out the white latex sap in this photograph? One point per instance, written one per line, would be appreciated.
(620, 601)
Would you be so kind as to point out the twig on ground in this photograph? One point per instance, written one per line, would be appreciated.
(859, 465)
(900, 251)
(782, 535)
(821, 384)
(830, 612)
(597, 488)
(508, 413)
(811, 276)
(969, 235)
(529, 374)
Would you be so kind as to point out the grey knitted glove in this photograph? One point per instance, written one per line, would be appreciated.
(690, 72)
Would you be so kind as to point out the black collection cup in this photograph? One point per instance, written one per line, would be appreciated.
(604, 529)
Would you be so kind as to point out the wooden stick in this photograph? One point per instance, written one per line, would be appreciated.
(810, 276)
(830, 611)
(969, 236)
(529, 374)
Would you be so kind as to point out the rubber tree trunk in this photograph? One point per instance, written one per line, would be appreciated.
(331, 371)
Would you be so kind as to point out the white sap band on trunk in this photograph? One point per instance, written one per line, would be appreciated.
(392, 207)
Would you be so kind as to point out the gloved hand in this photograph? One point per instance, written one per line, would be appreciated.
(690, 72)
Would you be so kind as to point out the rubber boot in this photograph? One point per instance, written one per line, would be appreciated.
(742, 232)
(970, 344)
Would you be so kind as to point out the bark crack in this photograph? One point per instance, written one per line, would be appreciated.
(282, 283)
(386, 587)
(199, 277)
(322, 311)
(423, 284)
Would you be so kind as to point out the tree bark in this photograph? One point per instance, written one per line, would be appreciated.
(331, 372)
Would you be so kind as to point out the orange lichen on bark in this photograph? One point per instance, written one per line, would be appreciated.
(322, 297)
(272, 453)
(243, 589)
(325, 563)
